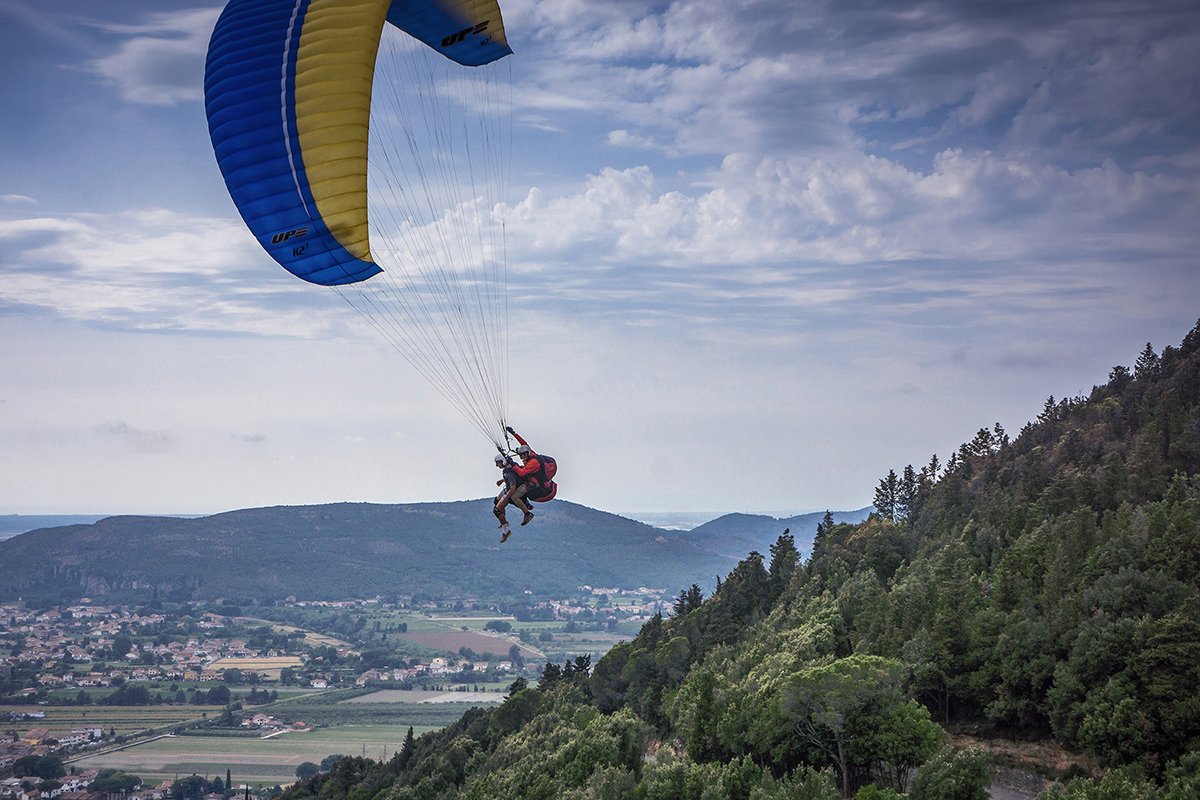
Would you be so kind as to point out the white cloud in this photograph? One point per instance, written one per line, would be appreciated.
(707, 76)
(623, 138)
(153, 270)
(859, 209)
(137, 441)
(162, 60)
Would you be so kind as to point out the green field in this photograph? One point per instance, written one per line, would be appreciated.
(259, 762)
(125, 719)
(335, 712)
(564, 645)
(374, 724)
(418, 623)
(487, 695)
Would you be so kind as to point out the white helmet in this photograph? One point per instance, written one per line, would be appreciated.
(523, 450)
(499, 459)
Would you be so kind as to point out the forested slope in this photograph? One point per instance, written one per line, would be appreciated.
(1044, 586)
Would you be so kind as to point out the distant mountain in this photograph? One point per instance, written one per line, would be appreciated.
(345, 550)
(673, 520)
(12, 524)
(735, 535)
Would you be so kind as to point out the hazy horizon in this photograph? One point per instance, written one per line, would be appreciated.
(665, 520)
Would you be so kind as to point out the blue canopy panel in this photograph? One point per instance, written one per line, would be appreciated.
(287, 91)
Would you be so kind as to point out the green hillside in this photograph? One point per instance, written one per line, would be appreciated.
(349, 550)
(1046, 586)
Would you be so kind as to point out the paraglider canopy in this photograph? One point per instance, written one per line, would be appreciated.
(288, 92)
(287, 89)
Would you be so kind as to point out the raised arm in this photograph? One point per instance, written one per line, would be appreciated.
(517, 436)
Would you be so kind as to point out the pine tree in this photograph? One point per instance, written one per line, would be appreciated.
(783, 555)
(784, 558)
(999, 437)
(908, 497)
(688, 601)
(1147, 364)
(1049, 411)
(885, 495)
(981, 445)
(405, 755)
(551, 674)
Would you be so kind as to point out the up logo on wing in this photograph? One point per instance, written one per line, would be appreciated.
(280, 238)
(474, 30)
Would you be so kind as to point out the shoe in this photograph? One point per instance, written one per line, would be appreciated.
(528, 517)
(507, 533)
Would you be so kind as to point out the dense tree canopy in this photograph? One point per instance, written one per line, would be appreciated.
(1045, 585)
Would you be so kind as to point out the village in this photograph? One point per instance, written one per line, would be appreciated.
(81, 787)
(56, 648)
(95, 653)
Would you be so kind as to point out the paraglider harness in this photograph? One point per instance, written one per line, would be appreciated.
(542, 487)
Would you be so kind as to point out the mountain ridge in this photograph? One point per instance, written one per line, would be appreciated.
(356, 549)
(735, 535)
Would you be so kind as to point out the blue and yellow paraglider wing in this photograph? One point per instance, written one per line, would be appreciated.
(287, 91)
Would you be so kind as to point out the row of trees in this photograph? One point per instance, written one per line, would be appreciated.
(139, 694)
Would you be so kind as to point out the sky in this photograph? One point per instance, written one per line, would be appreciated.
(759, 252)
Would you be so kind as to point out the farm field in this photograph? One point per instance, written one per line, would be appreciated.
(418, 623)
(441, 632)
(453, 640)
(259, 762)
(271, 666)
(124, 719)
(332, 708)
(420, 696)
(568, 646)
(310, 637)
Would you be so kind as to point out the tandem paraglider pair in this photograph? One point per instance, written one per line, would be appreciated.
(531, 480)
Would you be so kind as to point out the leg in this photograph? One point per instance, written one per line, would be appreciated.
(510, 485)
(498, 507)
(517, 498)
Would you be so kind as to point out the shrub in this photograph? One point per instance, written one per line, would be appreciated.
(953, 774)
